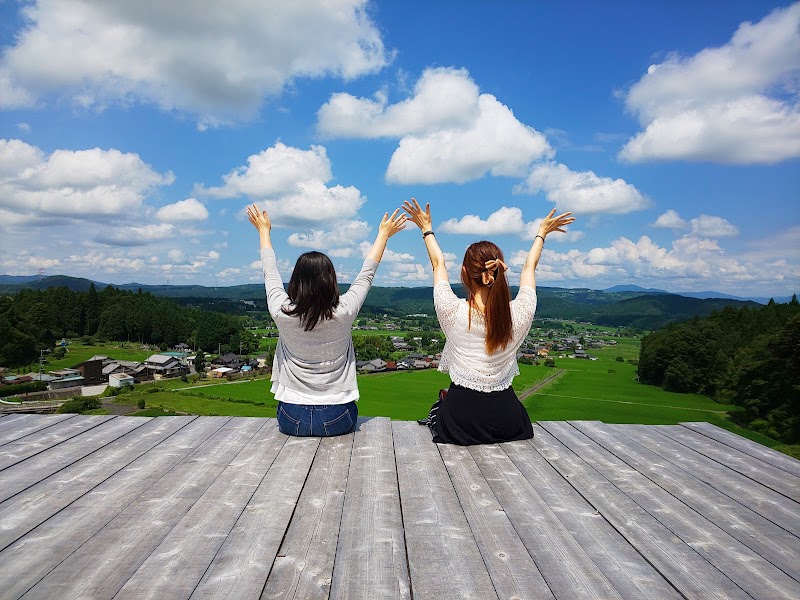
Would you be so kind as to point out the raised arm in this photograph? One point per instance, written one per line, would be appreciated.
(388, 227)
(351, 301)
(273, 284)
(260, 220)
(548, 225)
(422, 218)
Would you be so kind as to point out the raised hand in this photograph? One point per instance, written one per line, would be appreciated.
(259, 219)
(551, 223)
(422, 218)
(391, 225)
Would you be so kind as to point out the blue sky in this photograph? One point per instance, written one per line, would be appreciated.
(132, 136)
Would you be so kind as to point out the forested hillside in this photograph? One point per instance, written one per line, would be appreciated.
(747, 356)
(34, 319)
(640, 309)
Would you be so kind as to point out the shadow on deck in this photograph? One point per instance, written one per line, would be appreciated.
(219, 507)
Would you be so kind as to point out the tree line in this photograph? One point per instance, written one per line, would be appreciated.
(35, 319)
(746, 356)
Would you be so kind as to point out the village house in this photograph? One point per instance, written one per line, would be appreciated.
(371, 366)
(65, 378)
(161, 365)
(229, 360)
(92, 370)
(119, 380)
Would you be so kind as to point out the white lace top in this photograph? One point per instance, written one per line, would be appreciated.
(464, 356)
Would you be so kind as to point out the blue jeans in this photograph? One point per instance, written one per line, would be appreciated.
(323, 420)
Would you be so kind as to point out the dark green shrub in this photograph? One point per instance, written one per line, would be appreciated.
(79, 405)
(620, 359)
(140, 404)
(21, 388)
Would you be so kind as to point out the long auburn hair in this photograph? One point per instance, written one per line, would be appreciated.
(312, 289)
(497, 309)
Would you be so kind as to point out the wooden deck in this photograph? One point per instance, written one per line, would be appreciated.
(218, 507)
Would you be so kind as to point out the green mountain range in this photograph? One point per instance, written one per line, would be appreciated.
(628, 306)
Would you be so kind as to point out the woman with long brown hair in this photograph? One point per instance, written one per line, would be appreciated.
(314, 370)
(483, 334)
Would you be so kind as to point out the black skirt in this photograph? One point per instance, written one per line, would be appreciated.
(466, 417)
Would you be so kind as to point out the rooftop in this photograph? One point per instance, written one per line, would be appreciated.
(173, 507)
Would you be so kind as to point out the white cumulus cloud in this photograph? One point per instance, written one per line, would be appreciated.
(182, 211)
(389, 255)
(737, 103)
(91, 183)
(713, 227)
(135, 236)
(670, 220)
(449, 131)
(218, 61)
(582, 192)
(503, 221)
(290, 184)
(444, 98)
(345, 235)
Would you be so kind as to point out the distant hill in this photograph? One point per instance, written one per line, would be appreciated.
(635, 288)
(15, 279)
(629, 305)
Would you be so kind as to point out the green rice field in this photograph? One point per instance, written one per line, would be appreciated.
(602, 390)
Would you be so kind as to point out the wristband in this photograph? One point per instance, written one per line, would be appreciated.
(427, 233)
(539, 236)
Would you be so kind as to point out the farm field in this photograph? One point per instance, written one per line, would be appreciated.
(77, 353)
(604, 390)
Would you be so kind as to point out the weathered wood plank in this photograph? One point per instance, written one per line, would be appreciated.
(766, 502)
(26, 510)
(371, 558)
(513, 572)
(304, 566)
(759, 451)
(102, 565)
(29, 559)
(765, 474)
(25, 474)
(774, 543)
(31, 445)
(630, 574)
(755, 575)
(13, 427)
(242, 565)
(443, 556)
(175, 568)
(680, 564)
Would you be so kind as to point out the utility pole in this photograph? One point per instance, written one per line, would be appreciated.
(41, 361)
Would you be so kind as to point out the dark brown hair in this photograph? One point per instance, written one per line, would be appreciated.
(313, 289)
(497, 312)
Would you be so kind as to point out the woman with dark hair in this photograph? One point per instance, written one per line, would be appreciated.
(483, 334)
(314, 371)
